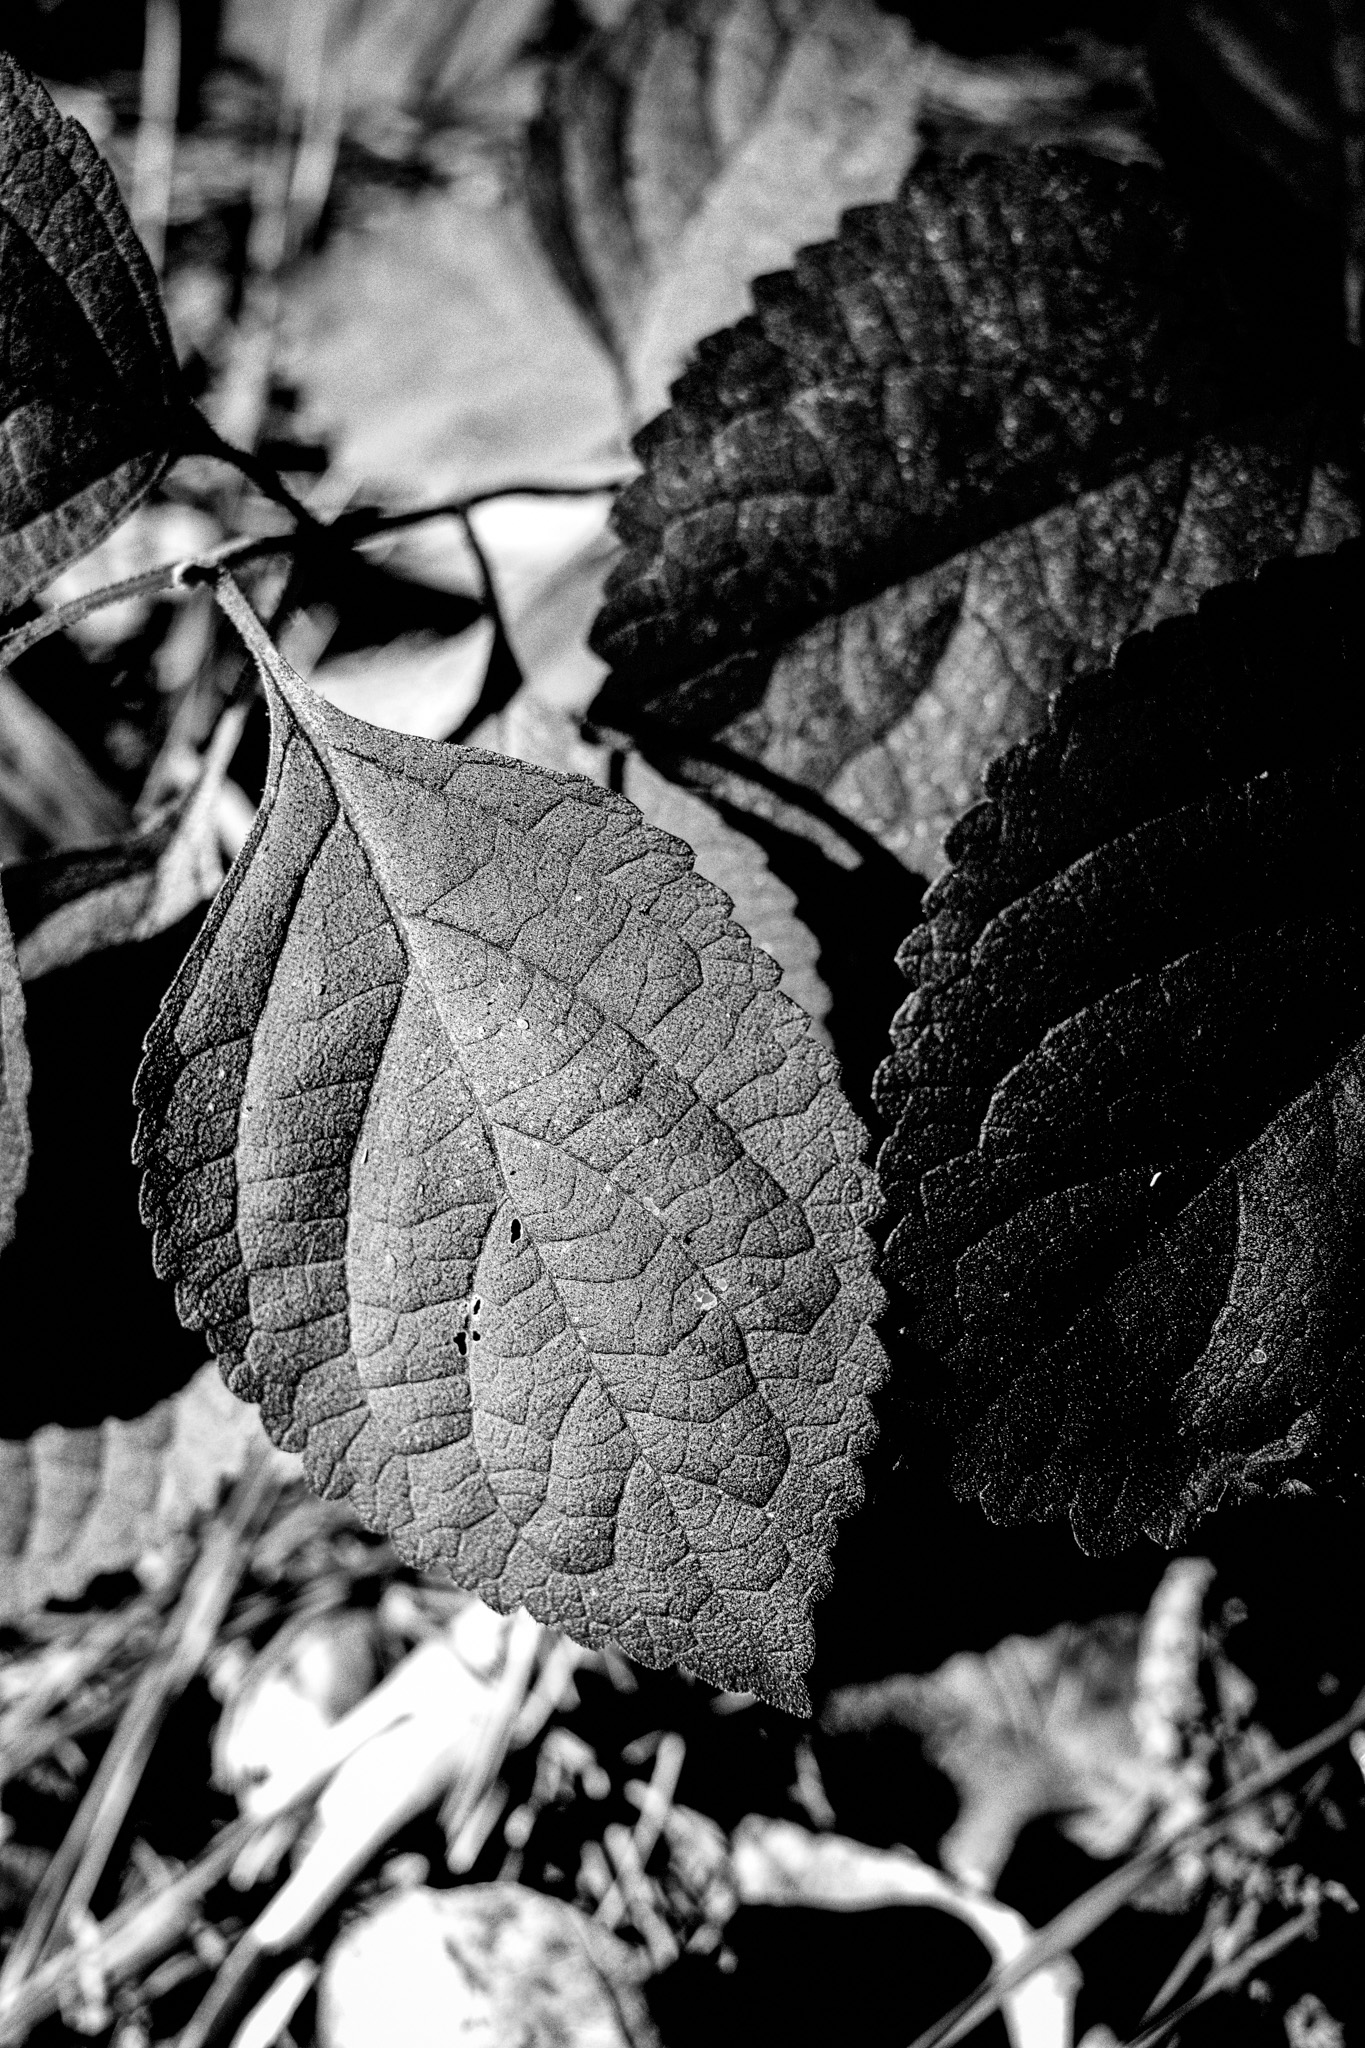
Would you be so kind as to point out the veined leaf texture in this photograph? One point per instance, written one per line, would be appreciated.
(1128, 1086)
(88, 380)
(483, 1145)
(951, 461)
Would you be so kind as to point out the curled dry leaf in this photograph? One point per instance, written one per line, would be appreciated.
(483, 1145)
(15, 1076)
(1129, 1154)
(89, 387)
(487, 1961)
(75, 1503)
(697, 144)
(952, 459)
(1038, 1725)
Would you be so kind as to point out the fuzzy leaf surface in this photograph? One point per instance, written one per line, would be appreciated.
(88, 377)
(1129, 1085)
(15, 1076)
(483, 1145)
(952, 460)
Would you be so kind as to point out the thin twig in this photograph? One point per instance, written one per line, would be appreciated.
(1229, 1976)
(351, 528)
(1078, 1920)
(69, 1882)
(158, 113)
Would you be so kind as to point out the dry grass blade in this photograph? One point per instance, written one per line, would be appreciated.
(69, 1882)
(1080, 1919)
(1229, 1976)
(154, 158)
(129, 1942)
(657, 1798)
(45, 780)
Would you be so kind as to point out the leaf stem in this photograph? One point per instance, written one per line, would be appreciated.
(349, 530)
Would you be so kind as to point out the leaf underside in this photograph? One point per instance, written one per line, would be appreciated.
(1128, 1088)
(15, 1077)
(952, 460)
(501, 1175)
(88, 377)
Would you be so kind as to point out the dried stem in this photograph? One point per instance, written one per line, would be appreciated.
(1080, 1919)
(69, 1882)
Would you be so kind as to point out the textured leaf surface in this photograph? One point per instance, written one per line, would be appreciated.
(484, 1147)
(496, 1962)
(703, 141)
(952, 460)
(88, 378)
(14, 1084)
(75, 1503)
(1129, 1161)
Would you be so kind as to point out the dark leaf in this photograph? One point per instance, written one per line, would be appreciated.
(1262, 112)
(482, 1144)
(89, 388)
(1129, 1156)
(953, 459)
(77, 1503)
(14, 1084)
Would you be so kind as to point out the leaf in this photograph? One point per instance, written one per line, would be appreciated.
(483, 1146)
(704, 141)
(1127, 1156)
(77, 1503)
(737, 865)
(15, 1076)
(952, 460)
(1038, 1725)
(50, 796)
(89, 388)
(490, 1961)
(67, 905)
(489, 378)
(532, 730)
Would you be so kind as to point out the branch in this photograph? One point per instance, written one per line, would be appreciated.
(349, 530)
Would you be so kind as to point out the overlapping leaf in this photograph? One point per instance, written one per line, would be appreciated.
(484, 1147)
(14, 1084)
(1129, 1156)
(703, 141)
(88, 381)
(951, 460)
(76, 1503)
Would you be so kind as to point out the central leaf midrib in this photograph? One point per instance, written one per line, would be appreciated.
(399, 923)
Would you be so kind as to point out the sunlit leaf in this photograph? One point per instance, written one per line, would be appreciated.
(483, 1145)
